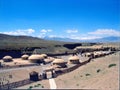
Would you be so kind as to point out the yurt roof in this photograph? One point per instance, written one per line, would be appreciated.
(44, 55)
(74, 58)
(58, 61)
(25, 55)
(35, 56)
(7, 57)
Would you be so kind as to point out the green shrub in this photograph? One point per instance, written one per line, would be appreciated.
(98, 70)
(87, 74)
(38, 84)
(111, 65)
(30, 86)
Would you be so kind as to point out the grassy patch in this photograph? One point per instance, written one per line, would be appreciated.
(38, 84)
(111, 65)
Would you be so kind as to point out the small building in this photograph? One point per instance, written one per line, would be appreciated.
(25, 57)
(35, 58)
(98, 54)
(7, 59)
(60, 63)
(34, 76)
(73, 60)
(50, 72)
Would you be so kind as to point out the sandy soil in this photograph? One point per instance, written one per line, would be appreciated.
(87, 77)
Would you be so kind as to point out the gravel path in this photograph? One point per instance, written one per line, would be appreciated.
(52, 83)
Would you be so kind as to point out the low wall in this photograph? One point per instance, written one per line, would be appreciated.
(15, 84)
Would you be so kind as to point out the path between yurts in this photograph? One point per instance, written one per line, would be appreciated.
(52, 83)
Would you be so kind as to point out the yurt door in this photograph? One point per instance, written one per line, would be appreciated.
(49, 74)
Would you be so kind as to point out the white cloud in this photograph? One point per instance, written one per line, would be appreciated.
(89, 38)
(52, 36)
(99, 33)
(73, 34)
(30, 31)
(105, 32)
(46, 30)
(20, 32)
(72, 31)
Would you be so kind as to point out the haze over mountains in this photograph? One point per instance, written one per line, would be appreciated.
(104, 39)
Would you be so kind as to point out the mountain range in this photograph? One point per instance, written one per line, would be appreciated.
(104, 39)
(30, 39)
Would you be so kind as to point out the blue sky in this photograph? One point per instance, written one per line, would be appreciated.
(77, 19)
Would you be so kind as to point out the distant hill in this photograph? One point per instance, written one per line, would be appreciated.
(105, 39)
(18, 42)
(60, 39)
(109, 39)
(9, 42)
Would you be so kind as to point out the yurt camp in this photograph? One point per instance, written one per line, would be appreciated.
(73, 60)
(60, 63)
(7, 59)
(25, 57)
(35, 58)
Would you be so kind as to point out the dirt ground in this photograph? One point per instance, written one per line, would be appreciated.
(44, 83)
(94, 75)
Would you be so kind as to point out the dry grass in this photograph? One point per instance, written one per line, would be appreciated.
(87, 76)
